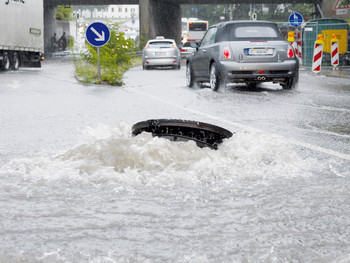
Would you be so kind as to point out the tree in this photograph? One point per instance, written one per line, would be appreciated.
(277, 12)
(64, 13)
(344, 2)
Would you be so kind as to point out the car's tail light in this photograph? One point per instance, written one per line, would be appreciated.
(226, 52)
(174, 46)
(147, 46)
(290, 52)
(182, 50)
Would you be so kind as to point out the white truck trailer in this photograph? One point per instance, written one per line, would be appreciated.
(21, 33)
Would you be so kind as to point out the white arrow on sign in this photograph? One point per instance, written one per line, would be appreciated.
(100, 37)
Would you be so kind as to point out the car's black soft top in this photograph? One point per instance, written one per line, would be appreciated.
(226, 31)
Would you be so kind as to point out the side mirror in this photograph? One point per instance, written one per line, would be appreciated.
(194, 44)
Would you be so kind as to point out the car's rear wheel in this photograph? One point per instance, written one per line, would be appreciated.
(215, 78)
(292, 82)
(189, 75)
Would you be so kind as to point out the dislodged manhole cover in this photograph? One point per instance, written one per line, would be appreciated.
(204, 134)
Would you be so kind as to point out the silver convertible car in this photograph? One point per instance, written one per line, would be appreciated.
(161, 52)
(248, 52)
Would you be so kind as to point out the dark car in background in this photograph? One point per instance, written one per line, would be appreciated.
(248, 52)
(187, 49)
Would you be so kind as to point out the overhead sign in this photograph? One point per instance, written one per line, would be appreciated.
(97, 34)
(341, 4)
(296, 19)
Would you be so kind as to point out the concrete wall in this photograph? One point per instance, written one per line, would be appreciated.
(160, 18)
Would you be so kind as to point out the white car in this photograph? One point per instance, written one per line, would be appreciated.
(161, 52)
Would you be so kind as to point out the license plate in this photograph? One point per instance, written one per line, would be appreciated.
(259, 51)
(159, 53)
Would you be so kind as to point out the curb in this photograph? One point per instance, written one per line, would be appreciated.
(341, 72)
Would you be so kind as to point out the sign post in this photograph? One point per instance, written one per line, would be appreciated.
(98, 34)
(296, 20)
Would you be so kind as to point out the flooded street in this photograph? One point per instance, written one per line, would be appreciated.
(75, 186)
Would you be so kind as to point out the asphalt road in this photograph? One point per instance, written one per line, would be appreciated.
(76, 186)
(49, 101)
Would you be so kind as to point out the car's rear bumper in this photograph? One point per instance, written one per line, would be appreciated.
(245, 72)
(185, 54)
(162, 61)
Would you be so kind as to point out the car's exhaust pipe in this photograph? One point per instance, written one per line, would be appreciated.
(261, 78)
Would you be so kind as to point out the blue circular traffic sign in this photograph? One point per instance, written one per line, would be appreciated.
(97, 34)
(296, 19)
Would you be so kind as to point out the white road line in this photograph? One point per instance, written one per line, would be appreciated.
(249, 128)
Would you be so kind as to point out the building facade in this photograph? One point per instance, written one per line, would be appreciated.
(122, 12)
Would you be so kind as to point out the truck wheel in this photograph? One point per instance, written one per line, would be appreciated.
(5, 65)
(15, 61)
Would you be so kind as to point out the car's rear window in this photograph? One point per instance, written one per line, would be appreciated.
(250, 32)
(161, 44)
(254, 32)
(187, 44)
(200, 26)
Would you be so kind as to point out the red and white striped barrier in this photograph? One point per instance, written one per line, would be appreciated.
(318, 52)
(299, 48)
(335, 52)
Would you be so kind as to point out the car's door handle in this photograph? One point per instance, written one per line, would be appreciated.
(204, 50)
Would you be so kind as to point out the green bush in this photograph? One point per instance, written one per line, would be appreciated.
(115, 59)
(70, 42)
(64, 13)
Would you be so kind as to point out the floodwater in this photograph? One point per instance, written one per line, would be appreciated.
(105, 196)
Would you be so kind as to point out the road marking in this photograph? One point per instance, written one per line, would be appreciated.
(249, 128)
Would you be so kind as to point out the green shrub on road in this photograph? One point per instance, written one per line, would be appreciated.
(115, 58)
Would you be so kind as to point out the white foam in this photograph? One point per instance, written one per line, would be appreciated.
(112, 153)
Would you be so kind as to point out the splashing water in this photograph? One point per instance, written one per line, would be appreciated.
(112, 151)
(118, 198)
